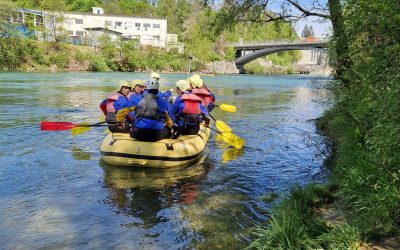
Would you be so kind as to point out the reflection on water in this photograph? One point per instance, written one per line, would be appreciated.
(125, 177)
(57, 193)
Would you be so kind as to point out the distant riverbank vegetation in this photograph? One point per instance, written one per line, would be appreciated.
(193, 22)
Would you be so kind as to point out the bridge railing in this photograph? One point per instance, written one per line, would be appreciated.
(275, 42)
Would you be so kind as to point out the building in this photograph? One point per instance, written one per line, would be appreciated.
(86, 28)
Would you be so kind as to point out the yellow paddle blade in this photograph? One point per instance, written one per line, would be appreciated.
(228, 108)
(80, 130)
(233, 140)
(231, 154)
(219, 137)
(222, 126)
(102, 118)
(106, 132)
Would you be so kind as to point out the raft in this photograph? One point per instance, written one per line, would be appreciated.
(121, 149)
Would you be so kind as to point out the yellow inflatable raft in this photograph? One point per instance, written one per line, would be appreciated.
(122, 150)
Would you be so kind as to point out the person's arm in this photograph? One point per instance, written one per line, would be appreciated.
(203, 109)
(176, 104)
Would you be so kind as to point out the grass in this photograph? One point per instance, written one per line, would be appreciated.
(370, 191)
(294, 224)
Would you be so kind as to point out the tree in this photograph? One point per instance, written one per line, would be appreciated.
(262, 11)
(308, 31)
(54, 26)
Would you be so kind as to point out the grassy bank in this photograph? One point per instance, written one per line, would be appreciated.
(364, 126)
(364, 194)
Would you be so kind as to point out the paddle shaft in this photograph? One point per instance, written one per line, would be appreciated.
(67, 125)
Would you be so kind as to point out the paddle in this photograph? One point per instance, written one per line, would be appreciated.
(67, 125)
(227, 107)
(231, 139)
(221, 126)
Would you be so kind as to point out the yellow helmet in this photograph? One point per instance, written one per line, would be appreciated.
(123, 83)
(195, 81)
(183, 85)
(138, 82)
(155, 75)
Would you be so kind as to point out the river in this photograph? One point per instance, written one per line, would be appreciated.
(57, 193)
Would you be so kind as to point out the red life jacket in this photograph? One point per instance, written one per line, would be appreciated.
(204, 95)
(191, 113)
(192, 104)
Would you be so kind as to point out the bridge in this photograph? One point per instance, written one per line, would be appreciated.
(249, 51)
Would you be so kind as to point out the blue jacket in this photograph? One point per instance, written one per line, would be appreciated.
(163, 106)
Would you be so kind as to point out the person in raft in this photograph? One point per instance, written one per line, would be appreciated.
(153, 116)
(188, 109)
(114, 103)
(167, 94)
(201, 90)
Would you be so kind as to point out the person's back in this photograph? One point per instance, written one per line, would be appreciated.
(188, 109)
(202, 91)
(151, 115)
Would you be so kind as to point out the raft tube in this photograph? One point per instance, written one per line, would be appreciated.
(121, 149)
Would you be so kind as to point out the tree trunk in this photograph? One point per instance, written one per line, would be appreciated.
(343, 62)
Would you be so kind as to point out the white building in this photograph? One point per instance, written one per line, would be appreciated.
(149, 31)
(84, 28)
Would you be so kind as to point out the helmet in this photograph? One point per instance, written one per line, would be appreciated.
(196, 76)
(195, 81)
(183, 85)
(155, 75)
(152, 84)
(123, 83)
(138, 82)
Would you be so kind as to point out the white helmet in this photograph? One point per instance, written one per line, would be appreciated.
(155, 75)
(123, 83)
(183, 85)
(195, 81)
(152, 84)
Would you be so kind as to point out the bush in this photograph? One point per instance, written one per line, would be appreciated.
(13, 52)
(97, 63)
(60, 59)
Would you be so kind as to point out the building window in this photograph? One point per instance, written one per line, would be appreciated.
(78, 21)
(157, 38)
(156, 25)
(109, 23)
(118, 24)
(146, 25)
(128, 25)
(79, 33)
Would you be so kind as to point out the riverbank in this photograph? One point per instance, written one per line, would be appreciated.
(356, 209)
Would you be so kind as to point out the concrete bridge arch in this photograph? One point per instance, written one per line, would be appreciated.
(258, 50)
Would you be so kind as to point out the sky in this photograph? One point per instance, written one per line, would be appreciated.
(321, 28)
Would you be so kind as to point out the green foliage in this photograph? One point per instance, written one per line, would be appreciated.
(285, 58)
(98, 63)
(60, 59)
(294, 226)
(107, 46)
(13, 52)
(82, 5)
